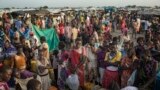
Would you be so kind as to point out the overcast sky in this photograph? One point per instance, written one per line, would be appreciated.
(75, 3)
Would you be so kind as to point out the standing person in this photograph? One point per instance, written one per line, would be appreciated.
(91, 55)
(34, 42)
(27, 50)
(95, 35)
(43, 23)
(62, 32)
(100, 62)
(18, 23)
(124, 30)
(88, 22)
(9, 51)
(16, 39)
(85, 37)
(54, 61)
(21, 65)
(146, 71)
(126, 37)
(43, 71)
(135, 25)
(5, 75)
(111, 73)
(44, 47)
(74, 34)
(126, 47)
(78, 59)
(140, 47)
(127, 69)
(20, 60)
(68, 33)
(114, 23)
(62, 75)
(63, 54)
(138, 24)
(62, 67)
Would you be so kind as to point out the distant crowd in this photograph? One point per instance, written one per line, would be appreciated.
(97, 51)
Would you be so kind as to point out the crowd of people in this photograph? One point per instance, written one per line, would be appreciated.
(97, 51)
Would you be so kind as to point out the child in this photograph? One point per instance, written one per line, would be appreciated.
(55, 64)
(34, 84)
(62, 75)
(5, 75)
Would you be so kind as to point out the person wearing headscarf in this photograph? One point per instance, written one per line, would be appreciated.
(78, 58)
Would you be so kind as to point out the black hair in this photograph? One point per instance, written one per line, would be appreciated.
(112, 44)
(78, 39)
(61, 45)
(4, 69)
(42, 38)
(67, 23)
(131, 52)
(140, 39)
(32, 84)
(55, 52)
(22, 38)
(115, 39)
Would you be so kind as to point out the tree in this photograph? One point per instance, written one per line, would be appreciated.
(45, 7)
(13, 7)
(156, 7)
(133, 6)
(7, 8)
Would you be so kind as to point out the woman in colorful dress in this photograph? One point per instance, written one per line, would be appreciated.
(77, 56)
(43, 66)
(146, 71)
(111, 73)
(127, 68)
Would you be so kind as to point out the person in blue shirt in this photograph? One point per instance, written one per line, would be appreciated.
(127, 45)
(18, 23)
(26, 33)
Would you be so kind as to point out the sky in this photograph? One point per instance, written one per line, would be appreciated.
(75, 3)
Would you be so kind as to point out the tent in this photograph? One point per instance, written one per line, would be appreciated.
(149, 12)
(31, 12)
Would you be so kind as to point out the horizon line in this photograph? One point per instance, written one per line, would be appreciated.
(81, 6)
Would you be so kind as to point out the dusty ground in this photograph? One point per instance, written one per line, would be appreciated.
(118, 32)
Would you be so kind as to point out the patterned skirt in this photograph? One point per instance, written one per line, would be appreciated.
(46, 81)
(110, 75)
